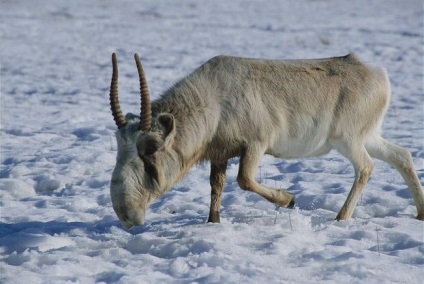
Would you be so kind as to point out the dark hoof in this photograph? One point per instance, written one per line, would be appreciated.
(291, 204)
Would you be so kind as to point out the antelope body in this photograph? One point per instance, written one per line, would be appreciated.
(240, 107)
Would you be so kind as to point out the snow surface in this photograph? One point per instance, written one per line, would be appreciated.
(58, 148)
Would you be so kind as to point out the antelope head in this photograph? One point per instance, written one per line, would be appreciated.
(143, 143)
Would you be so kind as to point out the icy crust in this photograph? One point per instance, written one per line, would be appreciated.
(58, 148)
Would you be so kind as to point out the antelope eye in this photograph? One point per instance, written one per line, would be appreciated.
(148, 147)
(150, 150)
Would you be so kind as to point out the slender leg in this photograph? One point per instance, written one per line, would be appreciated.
(401, 160)
(217, 181)
(249, 160)
(363, 166)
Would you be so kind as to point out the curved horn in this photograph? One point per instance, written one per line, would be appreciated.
(146, 109)
(113, 96)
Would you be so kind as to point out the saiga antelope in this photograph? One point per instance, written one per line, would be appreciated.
(240, 107)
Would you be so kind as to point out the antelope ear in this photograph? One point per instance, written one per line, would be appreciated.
(167, 124)
(159, 138)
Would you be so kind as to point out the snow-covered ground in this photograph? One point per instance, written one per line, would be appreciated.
(58, 147)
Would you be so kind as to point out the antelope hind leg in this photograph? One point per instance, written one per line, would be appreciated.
(401, 160)
(363, 165)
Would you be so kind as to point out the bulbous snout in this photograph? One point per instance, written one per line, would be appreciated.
(130, 218)
(129, 195)
(130, 210)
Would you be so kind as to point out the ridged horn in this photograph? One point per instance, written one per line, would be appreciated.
(146, 109)
(113, 96)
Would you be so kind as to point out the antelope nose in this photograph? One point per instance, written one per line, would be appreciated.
(127, 225)
(132, 219)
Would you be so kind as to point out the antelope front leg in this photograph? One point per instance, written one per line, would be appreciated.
(249, 160)
(217, 180)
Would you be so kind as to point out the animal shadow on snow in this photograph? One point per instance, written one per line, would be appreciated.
(22, 236)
